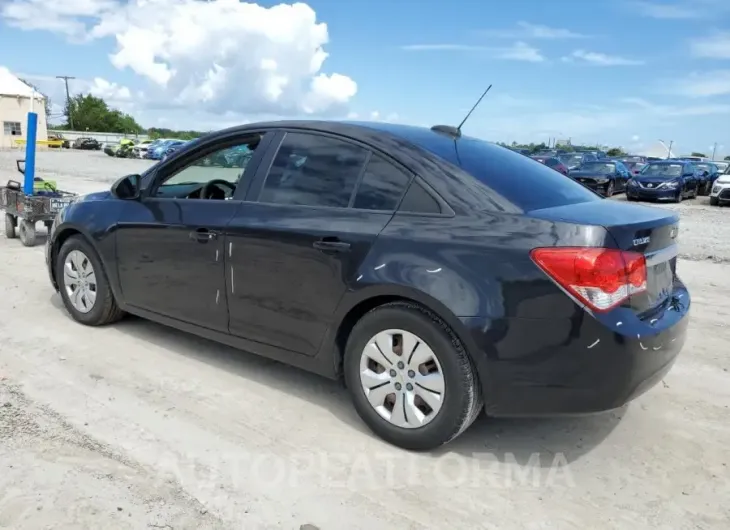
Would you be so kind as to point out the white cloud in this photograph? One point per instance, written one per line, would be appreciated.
(519, 51)
(217, 56)
(716, 46)
(677, 111)
(600, 59)
(666, 10)
(449, 47)
(635, 138)
(704, 84)
(527, 31)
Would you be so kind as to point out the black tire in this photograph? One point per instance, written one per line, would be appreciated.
(609, 190)
(10, 226)
(462, 400)
(629, 198)
(105, 310)
(714, 201)
(26, 232)
(679, 197)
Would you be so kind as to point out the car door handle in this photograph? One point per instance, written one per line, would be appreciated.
(203, 235)
(331, 245)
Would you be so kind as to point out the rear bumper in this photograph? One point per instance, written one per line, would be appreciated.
(578, 365)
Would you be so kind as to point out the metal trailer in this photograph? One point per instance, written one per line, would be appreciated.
(25, 211)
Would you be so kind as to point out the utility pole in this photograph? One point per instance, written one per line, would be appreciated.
(714, 150)
(68, 98)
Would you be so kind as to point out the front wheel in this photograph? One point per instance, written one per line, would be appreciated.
(714, 201)
(410, 378)
(83, 284)
(609, 189)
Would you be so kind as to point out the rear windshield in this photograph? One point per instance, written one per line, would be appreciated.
(527, 184)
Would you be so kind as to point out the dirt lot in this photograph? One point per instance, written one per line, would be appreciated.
(139, 426)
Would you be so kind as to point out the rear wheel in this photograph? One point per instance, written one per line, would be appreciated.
(410, 378)
(83, 284)
(10, 226)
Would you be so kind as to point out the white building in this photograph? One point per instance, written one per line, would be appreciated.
(15, 103)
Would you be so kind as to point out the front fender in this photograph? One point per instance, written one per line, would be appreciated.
(94, 218)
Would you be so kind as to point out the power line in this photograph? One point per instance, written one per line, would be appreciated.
(68, 98)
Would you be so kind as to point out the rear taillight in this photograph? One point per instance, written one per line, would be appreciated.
(600, 278)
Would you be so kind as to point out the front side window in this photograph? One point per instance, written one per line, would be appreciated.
(225, 165)
(313, 170)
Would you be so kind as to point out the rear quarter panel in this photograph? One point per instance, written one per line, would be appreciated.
(475, 266)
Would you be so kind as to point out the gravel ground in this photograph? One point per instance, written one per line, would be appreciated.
(140, 426)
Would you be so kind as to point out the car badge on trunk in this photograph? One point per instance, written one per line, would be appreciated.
(641, 241)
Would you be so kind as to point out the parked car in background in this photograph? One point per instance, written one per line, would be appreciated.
(172, 147)
(708, 172)
(553, 163)
(722, 166)
(158, 151)
(633, 158)
(575, 160)
(110, 148)
(140, 150)
(634, 167)
(672, 180)
(720, 193)
(434, 272)
(65, 144)
(603, 176)
(89, 144)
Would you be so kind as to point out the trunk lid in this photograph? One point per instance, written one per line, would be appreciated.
(644, 229)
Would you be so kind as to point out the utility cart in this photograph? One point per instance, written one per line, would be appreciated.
(23, 212)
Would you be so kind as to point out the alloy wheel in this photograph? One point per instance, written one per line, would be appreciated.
(402, 379)
(79, 280)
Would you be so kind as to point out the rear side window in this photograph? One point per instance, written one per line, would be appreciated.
(313, 170)
(418, 200)
(551, 162)
(381, 187)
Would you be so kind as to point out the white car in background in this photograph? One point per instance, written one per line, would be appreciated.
(721, 189)
(140, 150)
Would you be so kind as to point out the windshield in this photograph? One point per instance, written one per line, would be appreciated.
(571, 160)
(662, 170)
(602, 168)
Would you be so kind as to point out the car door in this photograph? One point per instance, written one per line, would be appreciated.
(623, 176)
(170, 243)
(316, 207)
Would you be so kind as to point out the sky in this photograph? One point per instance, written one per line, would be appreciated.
(612, 72)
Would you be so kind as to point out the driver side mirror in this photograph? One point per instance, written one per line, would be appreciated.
(127, 188)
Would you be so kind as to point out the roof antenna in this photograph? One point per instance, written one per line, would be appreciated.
(456, 131)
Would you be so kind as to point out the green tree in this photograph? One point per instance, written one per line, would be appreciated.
(695, 153)
(90, 113)
(615, 151)
(727, 158)
(46, 99)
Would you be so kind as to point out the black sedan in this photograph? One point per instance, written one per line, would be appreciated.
(436, 273)
(667, 180)
(603, 176)
(89, 144)
(709, 172)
